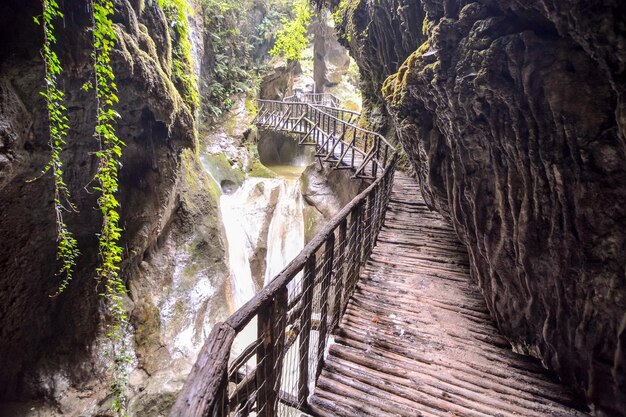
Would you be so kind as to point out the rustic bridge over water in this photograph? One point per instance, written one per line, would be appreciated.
(377, 316)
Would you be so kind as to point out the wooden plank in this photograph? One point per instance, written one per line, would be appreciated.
(416, 337)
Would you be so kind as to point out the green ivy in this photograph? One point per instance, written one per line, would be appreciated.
(109, 155)
(292, 39)
(183, 72)
(67, 249)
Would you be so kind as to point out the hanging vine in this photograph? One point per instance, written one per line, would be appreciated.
(109, 155)
(67, 249)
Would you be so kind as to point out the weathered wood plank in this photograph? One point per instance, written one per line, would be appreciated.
(416, 337)
(207, 379)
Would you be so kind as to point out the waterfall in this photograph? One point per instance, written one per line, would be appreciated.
(285, 238)
(259, 206)
(238, 255)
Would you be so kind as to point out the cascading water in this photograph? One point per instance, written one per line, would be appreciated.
(285, 238)
(243, 287)
(246, 214)
(261, 210)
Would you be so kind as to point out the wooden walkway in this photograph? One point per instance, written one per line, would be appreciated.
(417, 339)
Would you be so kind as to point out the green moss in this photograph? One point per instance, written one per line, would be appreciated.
(183, 71)
(261, 171)
(230, 125)
(425, 24)
(343, 18)
(251, 106)
(221, 168)
(395, 86)
(194, 177)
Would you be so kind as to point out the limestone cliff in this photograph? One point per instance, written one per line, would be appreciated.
(512, 114)
(49, 346)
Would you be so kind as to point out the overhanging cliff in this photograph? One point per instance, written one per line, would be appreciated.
(512, 114)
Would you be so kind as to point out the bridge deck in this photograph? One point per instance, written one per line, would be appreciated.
(417, 339)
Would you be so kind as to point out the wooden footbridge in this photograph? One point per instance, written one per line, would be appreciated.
(377, 316)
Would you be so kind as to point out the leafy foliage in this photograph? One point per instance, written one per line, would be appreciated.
(109, 156)
(67, 247)
(231, 48)
(183, 72)
(292, 39)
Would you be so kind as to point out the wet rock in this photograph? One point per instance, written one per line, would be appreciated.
(51, 346)
(325, 192)
(277, 148)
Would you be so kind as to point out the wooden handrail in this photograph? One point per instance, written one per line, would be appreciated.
(285, 308)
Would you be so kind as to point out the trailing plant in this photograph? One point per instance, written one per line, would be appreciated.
(292, 39)
(67, 248)
(109, 154)
(183, 72)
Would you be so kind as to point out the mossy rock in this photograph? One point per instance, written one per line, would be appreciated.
(395, 86)
(261, 171)
(222, 169)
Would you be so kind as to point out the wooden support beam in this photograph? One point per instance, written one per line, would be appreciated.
(270, 352)
(204, 391)
(339, 274)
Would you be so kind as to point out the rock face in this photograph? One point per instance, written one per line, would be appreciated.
(330, 59)
(379, 37)
(277, 83)
(49, 345)
(325, 192)
(512, 113)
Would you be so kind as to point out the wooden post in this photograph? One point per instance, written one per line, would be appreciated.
(269, 356)
(354, 259)
(205, 390)
(340, 276)
(371, 220)
(327, 272)
(359, 238)
(354, 143)
(305, 334)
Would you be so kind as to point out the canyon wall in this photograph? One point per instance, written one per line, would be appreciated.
(512, 114)
(51, 347)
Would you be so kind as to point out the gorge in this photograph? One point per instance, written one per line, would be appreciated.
(509, 115)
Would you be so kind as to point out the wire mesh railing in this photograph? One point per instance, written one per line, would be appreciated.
(264, 359)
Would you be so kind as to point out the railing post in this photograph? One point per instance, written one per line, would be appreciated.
(308, 284)
(327, 271)
(353, 251)
(340, 274)
(206, 388)
(269, 355)
(359, 237)
(371, 220)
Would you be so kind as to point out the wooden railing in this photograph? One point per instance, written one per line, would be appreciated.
(332, 131)
(266, 357)
(324, 99)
